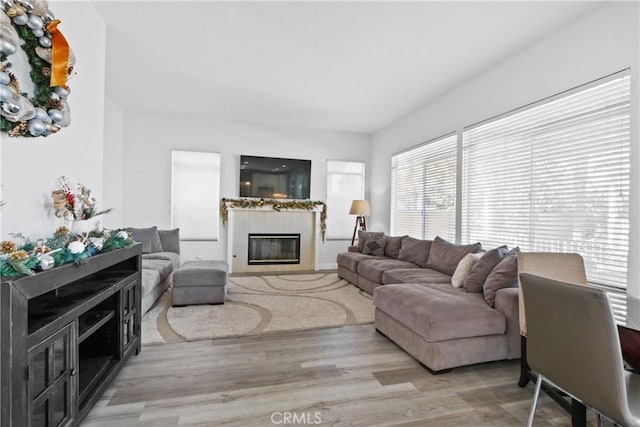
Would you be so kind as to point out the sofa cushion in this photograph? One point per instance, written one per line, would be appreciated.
(164, 267)
(350, 260)
(148, 237)
(362, 237)
(440, 312)
(170, 240)
(173, 257)
(444, 256)
(415, 251)
(464, 268)
(414, 275)
(374, 245)
(480, 271)
(503, 275)
(394, 243)
(373, 269)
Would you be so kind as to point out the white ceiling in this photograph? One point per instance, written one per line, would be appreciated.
(352, 66)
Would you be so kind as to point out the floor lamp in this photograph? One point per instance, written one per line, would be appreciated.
(360, 208)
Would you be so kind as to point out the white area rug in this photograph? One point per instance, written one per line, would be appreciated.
(261, 304)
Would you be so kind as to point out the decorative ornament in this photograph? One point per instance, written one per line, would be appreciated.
(277, 206)
(19, 255)
(76, 247)
(61, 231)
(7, 246)
(122, 234)
(46, 262)
(30, 25)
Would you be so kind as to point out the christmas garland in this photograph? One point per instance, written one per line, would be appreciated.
(27, 258)
(31, 25)
(277, 205)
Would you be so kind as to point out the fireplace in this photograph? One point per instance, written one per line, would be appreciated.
(272, 248)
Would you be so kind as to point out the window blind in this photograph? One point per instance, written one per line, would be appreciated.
(423, 190)
(345, 183)
(554, 176)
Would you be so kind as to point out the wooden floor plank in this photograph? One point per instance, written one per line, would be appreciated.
(349, 376)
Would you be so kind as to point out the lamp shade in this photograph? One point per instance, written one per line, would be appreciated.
(360, 208)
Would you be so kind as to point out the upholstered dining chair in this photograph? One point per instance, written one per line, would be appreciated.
(573, 344)
(566, 267)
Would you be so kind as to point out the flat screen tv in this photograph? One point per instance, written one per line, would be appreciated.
(274, 178)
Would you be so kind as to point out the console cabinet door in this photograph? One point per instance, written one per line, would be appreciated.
(130, 318)
(52, 380)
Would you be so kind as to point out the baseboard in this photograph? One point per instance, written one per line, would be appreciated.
(329, 266)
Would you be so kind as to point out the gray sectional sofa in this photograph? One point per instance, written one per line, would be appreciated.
(447, 305)
(160, 259)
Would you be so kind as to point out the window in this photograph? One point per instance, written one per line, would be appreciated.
(423, 190)
(345, 183)
(554, 176)
(195, 194)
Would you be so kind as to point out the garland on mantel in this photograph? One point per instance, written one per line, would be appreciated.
(277, 205)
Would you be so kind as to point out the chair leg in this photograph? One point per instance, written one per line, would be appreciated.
(525, 371)
(536, 396)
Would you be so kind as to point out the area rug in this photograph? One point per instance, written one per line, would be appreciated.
(261, 304)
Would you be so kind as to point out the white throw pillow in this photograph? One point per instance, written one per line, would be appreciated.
(464, 268)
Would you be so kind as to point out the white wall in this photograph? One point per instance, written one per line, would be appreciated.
(31, 166)
(112, 163)
(600, 43)
(150, 138)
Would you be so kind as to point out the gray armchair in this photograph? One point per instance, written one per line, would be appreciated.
(573, 344)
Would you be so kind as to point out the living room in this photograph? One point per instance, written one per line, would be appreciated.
(123, 152)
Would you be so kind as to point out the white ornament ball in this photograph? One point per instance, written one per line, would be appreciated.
(55, 114)
(76, 247)
(5, 93)
(35, 127)
(35, 22)
(44, 41)
(42, 115)
(38, 33)
(61, 92)
(123, 234)
(4, 78)
(7, 47)
(46, 262)
(21, 20)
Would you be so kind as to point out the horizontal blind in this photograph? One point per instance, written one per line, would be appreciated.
(423, 190)
(555, 177)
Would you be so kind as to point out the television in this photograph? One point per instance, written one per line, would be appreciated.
(274, 178)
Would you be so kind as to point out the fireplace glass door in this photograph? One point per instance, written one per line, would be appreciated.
(274, 249)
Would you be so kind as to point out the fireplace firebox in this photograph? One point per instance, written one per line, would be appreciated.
(271, 248)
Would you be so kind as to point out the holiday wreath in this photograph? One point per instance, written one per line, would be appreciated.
(30, 24)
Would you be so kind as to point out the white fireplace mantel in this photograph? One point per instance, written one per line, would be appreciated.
(264, 219)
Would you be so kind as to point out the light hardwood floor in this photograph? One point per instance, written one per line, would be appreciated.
(349, 376)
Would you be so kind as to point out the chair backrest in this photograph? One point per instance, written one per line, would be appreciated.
(566, 267)
(573, 341)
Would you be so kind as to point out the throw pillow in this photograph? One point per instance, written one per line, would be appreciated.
(374, 245)
(504, 275)
(394, 243)
(480, 271)
(415, 251)
(464, 268)
(362, 237)
(445, 256)
(148, 237)
(170, 240)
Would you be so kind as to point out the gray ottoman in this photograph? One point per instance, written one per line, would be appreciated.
(200, 282)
